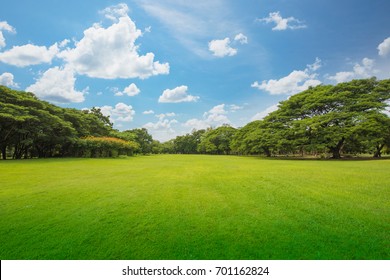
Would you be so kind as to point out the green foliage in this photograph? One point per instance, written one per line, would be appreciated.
(347, 118)
(217, 141)
(30, 127)
(188, 144)
(139, 135)
(104, 147)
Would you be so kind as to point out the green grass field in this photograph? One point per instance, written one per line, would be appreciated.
(194, 207)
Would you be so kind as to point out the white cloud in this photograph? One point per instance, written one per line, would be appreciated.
(170, 114)
(384, 47)
(111, 52)
(162, 130)
(296, 81)
(7, 79)
(2, 40)
(192, 23)
(217, 110)
(282, 23)
(363, 70)
(234, 108)
(149, 112)
(64, 43)
(263, 114)
(177, 95)
(29, 54)
(57, 85)
(315, 66)
(115, 12)
(222, 48)
(4, 26)
(162, 116)
(120, 113)
(216, 116)
(340, 77)
(161, 124)
(131, 90)
(241, 38)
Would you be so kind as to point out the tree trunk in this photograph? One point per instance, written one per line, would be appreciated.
(4, 152)
(336, 151)
(378, 152)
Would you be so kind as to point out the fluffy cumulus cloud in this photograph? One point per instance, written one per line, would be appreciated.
(58, 85)
(115, 12)
(4, 26)
(261, 115)
(177, 95)
(161, 124)
(216, 116)
(241, 38)
(222, 48)
(111, 52)
(364, 69)
(384, 47)
(163, 129)
(131, 90)
(148, 112)
(7, 79)
(120, 113)
(26, 55)
(282, 23)
(296, 81)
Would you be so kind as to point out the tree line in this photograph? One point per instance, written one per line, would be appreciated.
(326, 120)
(31, 128)
(323, 121)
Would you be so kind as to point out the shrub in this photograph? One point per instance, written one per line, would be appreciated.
(105, 147)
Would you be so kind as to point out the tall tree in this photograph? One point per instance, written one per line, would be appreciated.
(321, 119)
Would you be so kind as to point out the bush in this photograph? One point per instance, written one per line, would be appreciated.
(104, 147)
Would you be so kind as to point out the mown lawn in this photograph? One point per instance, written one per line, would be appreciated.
(194, 207)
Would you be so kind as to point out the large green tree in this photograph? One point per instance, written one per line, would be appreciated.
(348, 116)
(30, 127)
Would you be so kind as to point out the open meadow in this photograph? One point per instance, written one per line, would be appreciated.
(194, 207)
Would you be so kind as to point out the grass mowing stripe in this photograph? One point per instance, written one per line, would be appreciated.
(194, 207)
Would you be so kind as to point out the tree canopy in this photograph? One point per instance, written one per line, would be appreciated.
(347, 118)
(30, 127)
(324, 119)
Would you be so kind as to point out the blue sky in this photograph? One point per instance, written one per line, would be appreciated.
(174, 65)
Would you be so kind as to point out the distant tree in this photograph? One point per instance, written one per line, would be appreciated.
(217, 141)
(188, 144)
(141, 136)
(167, 147)
(104, 147)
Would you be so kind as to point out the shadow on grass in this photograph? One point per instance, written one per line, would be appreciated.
(300, 158)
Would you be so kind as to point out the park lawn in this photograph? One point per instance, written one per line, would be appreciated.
(194, 207)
